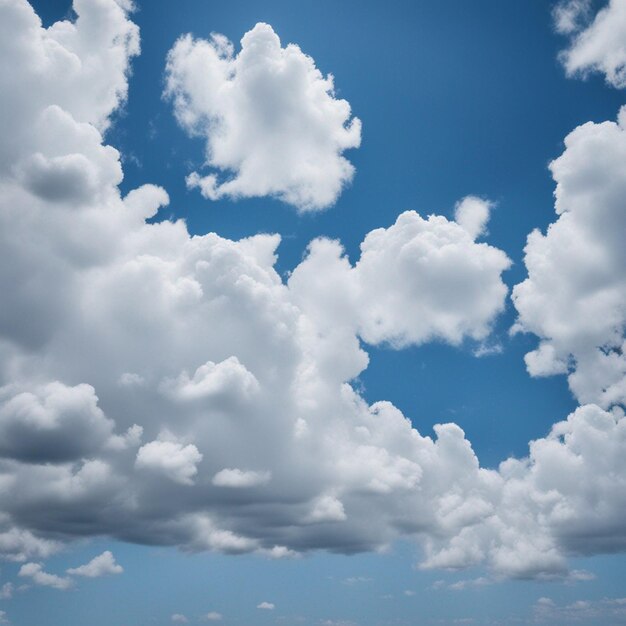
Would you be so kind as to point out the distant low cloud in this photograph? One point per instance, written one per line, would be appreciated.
(267, 606)
(272, 123)
(604, 611)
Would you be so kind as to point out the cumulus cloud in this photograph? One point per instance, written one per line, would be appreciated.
(170, 458)
(418, 280)
(575, 294)
(213, 616)
(211, 380)
(36, 573)
(268, 606)
(598, 45)
(179, 618)
(102, 565)
(272, 123)
(211, 404)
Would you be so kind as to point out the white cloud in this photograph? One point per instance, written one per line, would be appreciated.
(170, 458)
(570, 15)
(102, 565)
(35, 572)
(599, 46)
(470, 583)
(3, 618)
(213, 616)
(268, 606)
(270, 119)
(240, 479)
(179, 618)
(226, 379)
(472, 214)
(327, 508)
(573, 298)
(418, 280)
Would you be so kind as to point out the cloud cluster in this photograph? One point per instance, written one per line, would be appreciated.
(607, 610)
(177, 391)
(574, 298)
(271, 120)
(598, 45)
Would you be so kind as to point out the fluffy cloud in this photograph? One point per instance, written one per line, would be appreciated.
(268, 606)
(210, 402)
(599, 46)
(35, 572)
(101, 565)
(269, 117)
(575, 294)
(418, 280)
(170, 458)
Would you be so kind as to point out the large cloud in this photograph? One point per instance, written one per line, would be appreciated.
(598, 46)
(270, 119)
(574, 298)
(209, 402)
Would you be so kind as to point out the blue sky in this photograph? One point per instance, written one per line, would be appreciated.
(455, 101)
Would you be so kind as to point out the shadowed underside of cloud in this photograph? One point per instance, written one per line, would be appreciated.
(177, 391)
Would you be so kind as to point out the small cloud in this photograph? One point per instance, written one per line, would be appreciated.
(487, 349)
(267, 606)
(44, 579)
(179, 618)
(355, 580)
(470, 583)
(6, 591)
(101, 565)
(213, 616)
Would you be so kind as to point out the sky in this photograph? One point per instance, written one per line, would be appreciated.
(312, 313)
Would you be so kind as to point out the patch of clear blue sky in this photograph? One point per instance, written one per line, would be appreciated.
(455, 97)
